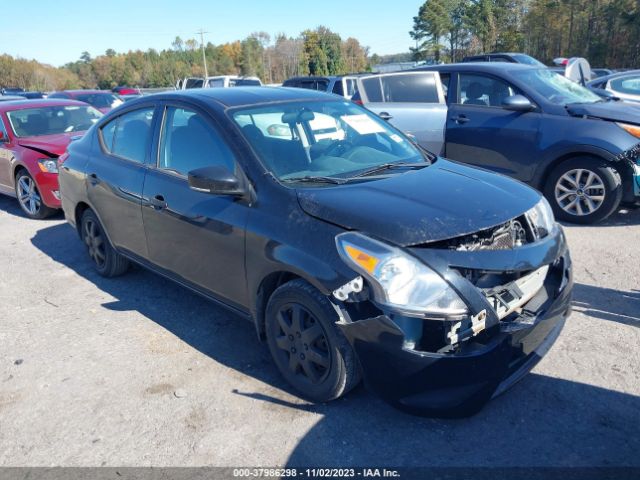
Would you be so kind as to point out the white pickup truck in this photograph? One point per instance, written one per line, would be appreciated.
(220, 81)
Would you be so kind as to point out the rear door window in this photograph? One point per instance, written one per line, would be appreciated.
(422, 87)
(129, 135)
(372, 89)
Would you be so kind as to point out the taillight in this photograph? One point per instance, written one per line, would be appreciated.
(358, 102)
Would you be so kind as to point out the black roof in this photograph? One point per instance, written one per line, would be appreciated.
(311, 77)
(488, 67)
(236, 96)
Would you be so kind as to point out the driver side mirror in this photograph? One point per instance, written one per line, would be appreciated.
(517, 103)
(3, 137)
(216, 180)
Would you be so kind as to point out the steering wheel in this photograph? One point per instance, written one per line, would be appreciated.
(338, 148)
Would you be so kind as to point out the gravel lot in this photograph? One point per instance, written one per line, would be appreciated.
(138, 371)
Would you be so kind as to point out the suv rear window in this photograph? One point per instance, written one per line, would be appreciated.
(401, 88)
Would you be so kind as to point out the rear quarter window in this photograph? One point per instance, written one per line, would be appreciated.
(128, 135)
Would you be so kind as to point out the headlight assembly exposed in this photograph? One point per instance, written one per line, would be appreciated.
(398, 280)
(631, 129)
(48, 165)
(541, 218)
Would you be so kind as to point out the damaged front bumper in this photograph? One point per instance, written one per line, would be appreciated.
(458, 381)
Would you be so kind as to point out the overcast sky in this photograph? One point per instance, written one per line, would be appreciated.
(57, 32)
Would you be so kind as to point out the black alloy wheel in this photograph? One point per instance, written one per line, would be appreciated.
(310, 351)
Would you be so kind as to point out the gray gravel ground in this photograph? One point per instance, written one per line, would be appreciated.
(138, 371)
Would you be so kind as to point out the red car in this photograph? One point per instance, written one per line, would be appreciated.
(126, 91)
(102, 100)
(33, 134)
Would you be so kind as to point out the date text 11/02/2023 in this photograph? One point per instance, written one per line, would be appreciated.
(315, 473)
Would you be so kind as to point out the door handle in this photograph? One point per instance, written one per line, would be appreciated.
(385, 116)
(158, 202)
(460, 119)
(93, 179)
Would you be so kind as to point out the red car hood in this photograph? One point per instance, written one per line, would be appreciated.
(52, 145)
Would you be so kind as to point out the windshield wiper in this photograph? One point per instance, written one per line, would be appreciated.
(389, 166)
(312, 179)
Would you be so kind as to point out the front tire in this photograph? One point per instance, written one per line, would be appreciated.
(29, 197)
(307, 347)
(106, 260)
(583, 190)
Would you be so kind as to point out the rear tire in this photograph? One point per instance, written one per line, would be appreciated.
(106, 260)
(583, 190)
(29, 197)
(307, 347)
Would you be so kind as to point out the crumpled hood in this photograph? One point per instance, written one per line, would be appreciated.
(612, 111)
(435, 203)
(52, 145)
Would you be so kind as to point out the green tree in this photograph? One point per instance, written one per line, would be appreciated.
(429, 27)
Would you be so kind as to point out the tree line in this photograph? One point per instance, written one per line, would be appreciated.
(605, 32)
(273, 59)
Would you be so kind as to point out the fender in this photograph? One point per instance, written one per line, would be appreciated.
(317, 264)
(554, 156)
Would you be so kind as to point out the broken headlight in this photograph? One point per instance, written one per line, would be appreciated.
(48, 165)
(541, 218)
(398, 280)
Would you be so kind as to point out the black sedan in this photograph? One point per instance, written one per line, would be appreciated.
(352, 251)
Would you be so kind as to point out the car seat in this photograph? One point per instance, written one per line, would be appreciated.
(36, 124)
(474, 93)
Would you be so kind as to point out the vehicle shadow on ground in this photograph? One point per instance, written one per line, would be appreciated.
(607, 304)
(541, 421)
(10, 206)
(624, 217)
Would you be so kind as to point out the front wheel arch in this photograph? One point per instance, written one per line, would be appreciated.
(606, 171)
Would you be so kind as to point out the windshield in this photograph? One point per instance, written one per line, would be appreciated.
(556, 88)
(527, 60)
(35, 122)
(100, 100)
(336, 139)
